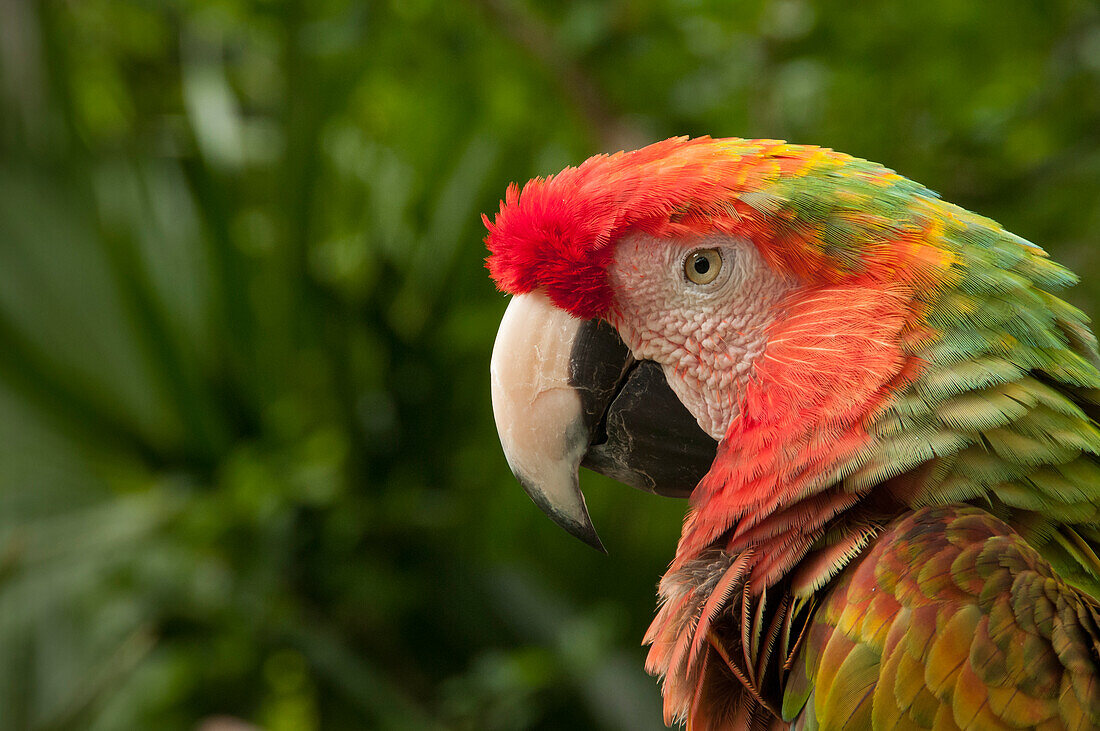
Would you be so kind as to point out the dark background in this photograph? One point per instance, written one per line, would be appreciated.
(247, 461)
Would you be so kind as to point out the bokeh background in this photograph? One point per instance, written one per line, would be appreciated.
(248, 472)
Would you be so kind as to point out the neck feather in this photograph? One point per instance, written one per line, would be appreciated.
(836, 358)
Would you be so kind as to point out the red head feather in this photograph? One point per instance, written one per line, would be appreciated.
(556, 233)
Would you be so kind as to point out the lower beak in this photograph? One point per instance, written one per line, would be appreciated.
(567, 393)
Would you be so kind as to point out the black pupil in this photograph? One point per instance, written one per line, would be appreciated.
(702, 264)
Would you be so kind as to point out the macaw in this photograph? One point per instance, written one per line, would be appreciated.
(883, 413)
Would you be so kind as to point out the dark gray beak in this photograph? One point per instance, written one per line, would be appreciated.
(567, 393)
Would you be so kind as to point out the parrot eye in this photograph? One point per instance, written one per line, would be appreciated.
(703, 265)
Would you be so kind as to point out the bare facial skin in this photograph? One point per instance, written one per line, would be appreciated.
(705, 336)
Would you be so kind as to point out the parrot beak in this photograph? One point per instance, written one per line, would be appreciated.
(567, 393)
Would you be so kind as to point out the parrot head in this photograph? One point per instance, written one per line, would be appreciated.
(734, 320)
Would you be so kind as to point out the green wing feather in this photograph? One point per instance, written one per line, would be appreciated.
(975, 617)
(985, 615)
(1003, 413)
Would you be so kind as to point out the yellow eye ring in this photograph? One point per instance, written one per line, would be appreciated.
(702, 266)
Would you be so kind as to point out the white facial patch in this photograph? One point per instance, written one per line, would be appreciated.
(705, 336)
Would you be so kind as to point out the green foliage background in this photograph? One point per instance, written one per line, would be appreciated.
(247, 460)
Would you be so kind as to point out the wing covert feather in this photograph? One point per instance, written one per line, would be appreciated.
(950, 620)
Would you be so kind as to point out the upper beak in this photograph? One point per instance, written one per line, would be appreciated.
(566, 393)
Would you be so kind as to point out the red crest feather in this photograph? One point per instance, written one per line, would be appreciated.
(556, 233)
